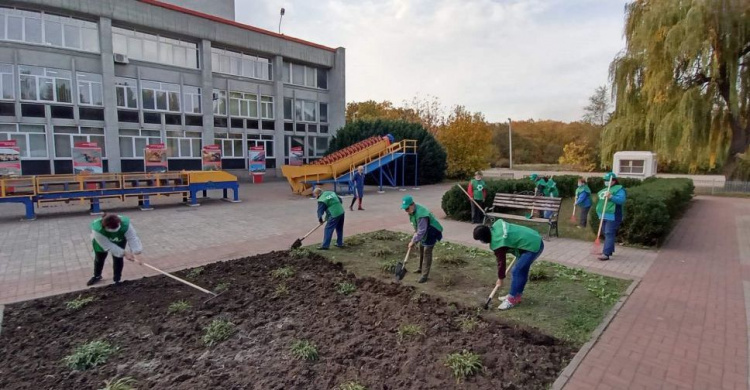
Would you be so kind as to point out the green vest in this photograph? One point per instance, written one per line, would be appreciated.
(514, 237)
(117, 237)
(583, 188)
(610, 205)
(422, 212)
(333, 206)
(543, 183)
(551, 189)
(477, 187)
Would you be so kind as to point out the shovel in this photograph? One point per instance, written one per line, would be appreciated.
(201, 289)
(494, 290)
(298, 242)
(401, 267)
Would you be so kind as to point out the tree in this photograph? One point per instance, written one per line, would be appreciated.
(579, 154)
(429, 110)
(682, 85)
(598, 110)
(467, 139)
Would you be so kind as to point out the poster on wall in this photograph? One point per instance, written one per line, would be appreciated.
(87, 158)
(10, 158)
(295, 155)
(155, 158)
(257, 161)
(211, 158)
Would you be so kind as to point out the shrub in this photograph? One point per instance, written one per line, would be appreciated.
(89, 355)
(78, 303)
(351, 386)
(125, 383)
(283, 272)
(463, 364)
(345, 288)
(218, 331)
(409, 330)
(178, 307)
(304, 350)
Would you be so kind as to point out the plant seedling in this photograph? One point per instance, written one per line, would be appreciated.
(78, 303)
(409, 330)
(124, 383)
(178, 307)
(281, 291)
(218, 331)
(389, 266)
(463, 364)
(351, 386)
(195, 272)
(304, 350)
(381, 252)
(345, 288)
(89, 355)
(283, 272)
(467, 323)
(222, 287)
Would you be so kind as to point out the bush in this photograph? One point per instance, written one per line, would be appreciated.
(89, 355)
(430, 154)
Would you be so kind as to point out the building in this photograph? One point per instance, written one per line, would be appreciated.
(127, 73)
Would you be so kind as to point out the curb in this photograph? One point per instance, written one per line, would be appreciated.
(2, 309)
(571, 368)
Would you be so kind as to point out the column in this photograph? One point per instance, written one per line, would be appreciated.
(111, 128)
(207, 92)
(337, 92)
(278, 92)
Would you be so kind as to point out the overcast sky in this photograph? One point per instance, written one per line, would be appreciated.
(538, 59)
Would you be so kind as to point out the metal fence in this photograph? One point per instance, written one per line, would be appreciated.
(716, 187)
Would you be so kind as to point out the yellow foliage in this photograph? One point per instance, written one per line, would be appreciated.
(579, 155)
(467, 139)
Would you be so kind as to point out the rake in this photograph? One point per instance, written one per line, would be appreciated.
(494, 290)
(201, 289)
(472, 200)
(573, 216)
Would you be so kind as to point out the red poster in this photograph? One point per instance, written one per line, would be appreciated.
(257, 158)
(87, 158)
(10, 158)
(211, 158)
(296, 155)
(155, 156)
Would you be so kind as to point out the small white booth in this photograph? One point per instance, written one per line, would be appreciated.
(635, 164)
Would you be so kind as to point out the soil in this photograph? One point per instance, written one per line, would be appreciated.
(356, 335)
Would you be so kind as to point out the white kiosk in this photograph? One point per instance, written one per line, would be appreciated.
(635, 164)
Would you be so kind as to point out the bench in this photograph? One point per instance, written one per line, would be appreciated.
(525, 202)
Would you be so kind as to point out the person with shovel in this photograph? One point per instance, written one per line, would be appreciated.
(611, 216)
(110, 234)
(583, 201)
(427, 232)
(358, 181)
(330, 205)
(478, 192)
(523, 242)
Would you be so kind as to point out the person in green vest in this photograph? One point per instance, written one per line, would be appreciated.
(540, 188)
(550, 190)
(111, 234)
(330, 205)
(478, 192)
(583, 201)
(524, 243)
(427, 232)
(613, 215)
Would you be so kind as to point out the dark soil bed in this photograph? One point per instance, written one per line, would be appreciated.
(356, 335)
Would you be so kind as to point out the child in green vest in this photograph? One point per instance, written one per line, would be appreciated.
(523, 242)
(583, 201)
(478, 192)
(331, 205)
(427, 232)
(613, 215)
(110, 234)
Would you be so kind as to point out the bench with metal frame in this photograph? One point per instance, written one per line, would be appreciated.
(535, 203)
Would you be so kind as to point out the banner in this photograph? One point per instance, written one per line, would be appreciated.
(155, 158)
(10, 158)
(257, 158)
(87, 158)
(211, 158)
(296, 155)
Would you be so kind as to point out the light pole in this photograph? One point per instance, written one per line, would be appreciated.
(510, 143)
(281, 16)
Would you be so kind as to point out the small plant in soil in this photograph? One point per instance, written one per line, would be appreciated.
(382, 252)
(89, 355)
(125, 383)
(218, 331)
(449, 280)
(304, 350)
(222, 287)
(453, 261)
(194, 273)
(351, 386)
(463, 364)
(389, 266)
(178, 307)
(409, 330)
(78, 303)
(354, 241)
(283, 272)
(467, 323)
(299, 253)
(538, 273)
(281, 291)
(345, 288)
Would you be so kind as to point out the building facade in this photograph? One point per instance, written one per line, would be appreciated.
(128, 73)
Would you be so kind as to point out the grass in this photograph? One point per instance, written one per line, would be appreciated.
(78, 303)
(381, 252)
(299, 253)
(345, 288)
(568, 303)
(217, 331)
(464, 364)
(351, 386)
(406, 331)
(281, 291)
(452, 261)
(304, 350)
(178, 307)
(194, 273)
(283, 272)
(89, 355)
(222, 287)
(124, 383)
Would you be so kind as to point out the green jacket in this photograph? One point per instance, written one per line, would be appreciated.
(422, 212)
(477, 189)
(332, 203)
(116, 237)
(514, 237)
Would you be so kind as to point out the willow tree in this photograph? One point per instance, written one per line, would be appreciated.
(682, 84)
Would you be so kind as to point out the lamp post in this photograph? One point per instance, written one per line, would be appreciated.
(510, 143)
(281, 16)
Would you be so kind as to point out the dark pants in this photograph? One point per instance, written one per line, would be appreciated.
(336, 224)
(521, 270)
(610, 232)
(354, 199)
(477, 216)
(584, 216)
(117, 264)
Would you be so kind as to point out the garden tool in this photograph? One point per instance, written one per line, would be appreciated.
(494, 290)
(531, 214)
(596, 249)
(201, 289)
(573, 216)
(298, 242)
(472, 200)
(401, 267)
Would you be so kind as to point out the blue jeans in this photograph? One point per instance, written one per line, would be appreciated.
(521, 269)
(610, 232)
(336, 224)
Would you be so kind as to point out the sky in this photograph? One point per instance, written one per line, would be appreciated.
(519, 59)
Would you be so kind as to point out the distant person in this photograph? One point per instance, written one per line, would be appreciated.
(478, 192)
(540, 188)
(612, 216)
(358, 180)
(330, 205)
(111, 234)
(550, 190)
(583, 202)
(427, 232)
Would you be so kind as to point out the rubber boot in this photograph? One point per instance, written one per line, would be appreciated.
(360, 204)
(427, 264)
(421, 259)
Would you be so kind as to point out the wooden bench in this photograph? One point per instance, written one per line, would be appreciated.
(525, 202)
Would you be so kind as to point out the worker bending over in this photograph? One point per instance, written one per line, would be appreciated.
(111, 234)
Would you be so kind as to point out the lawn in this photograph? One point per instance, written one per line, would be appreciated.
(560, 301)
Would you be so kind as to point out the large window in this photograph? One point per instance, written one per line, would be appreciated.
(89, 89)
(192, 98)
(288, 104)
(46, 29)
(243, 104)
(45, 84)
(266, 107)
(153, 48)
(133, 142)
(127, 93)
(305, 75)
(31, 139)
(220, 102)
(183, 144)
(305, 110)
(160, 96)
(66, 137)
(239, 64)
(231, 144)
(7, 90)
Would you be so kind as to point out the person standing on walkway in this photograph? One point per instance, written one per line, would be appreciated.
(583, 201)
(523, 242)
(612, 216)
(427, 232)
(478, 192)
(330, 205)
(111, 234)
(358, 180)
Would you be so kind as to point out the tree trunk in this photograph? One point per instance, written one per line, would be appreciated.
(739, 144)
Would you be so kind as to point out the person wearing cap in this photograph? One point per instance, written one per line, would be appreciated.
(524, 243)
(540, 188)
(613, 214)
(550, 190)
(111, 234)
(358, 181)
(478, 192)
(583, 201)
(330, 205)
(427, 232)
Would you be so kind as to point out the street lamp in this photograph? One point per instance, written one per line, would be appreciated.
(510, 143)
(281, 16)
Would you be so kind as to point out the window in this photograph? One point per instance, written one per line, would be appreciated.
(321, 146)
(239, 64)
(266, 107)
(7, 90)
(305, 111)
(154, 48)
(127, 93)
(324, 112)
(45, 84)
(243, 104)
(183, 144)
(288, 103)
(31, 139)
(632, 166)
(267, 142)
(89, 89)
(65, 138)
(192, 97)
(305, 75)
(322, 78)
(310, 77)
(133, 142)
(231, 144)
(160, 96)
(220, 102)
(46, 29)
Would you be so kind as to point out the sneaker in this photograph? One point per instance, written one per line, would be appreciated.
(93, 280)
(422, 279)
(603, 257)
(505, 305)
(118, 282)
(503, 298)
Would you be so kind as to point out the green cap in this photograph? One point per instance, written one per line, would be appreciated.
(533, 176)
(406, 202)
(609, 175)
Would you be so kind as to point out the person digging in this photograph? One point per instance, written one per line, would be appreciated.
(478, 192)
(359, 187)
(427, 232)
(612, 216)
(110, 235)
(523, 242)
(330, 205)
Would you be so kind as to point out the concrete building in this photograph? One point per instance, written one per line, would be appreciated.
(127, 73)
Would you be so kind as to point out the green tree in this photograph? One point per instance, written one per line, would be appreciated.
(599, 109)
(467, 139)
(682, 85)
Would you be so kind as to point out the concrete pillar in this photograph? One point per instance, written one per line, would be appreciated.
(111, 128)
(207, 92)
(278, 93)
(337, 92)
